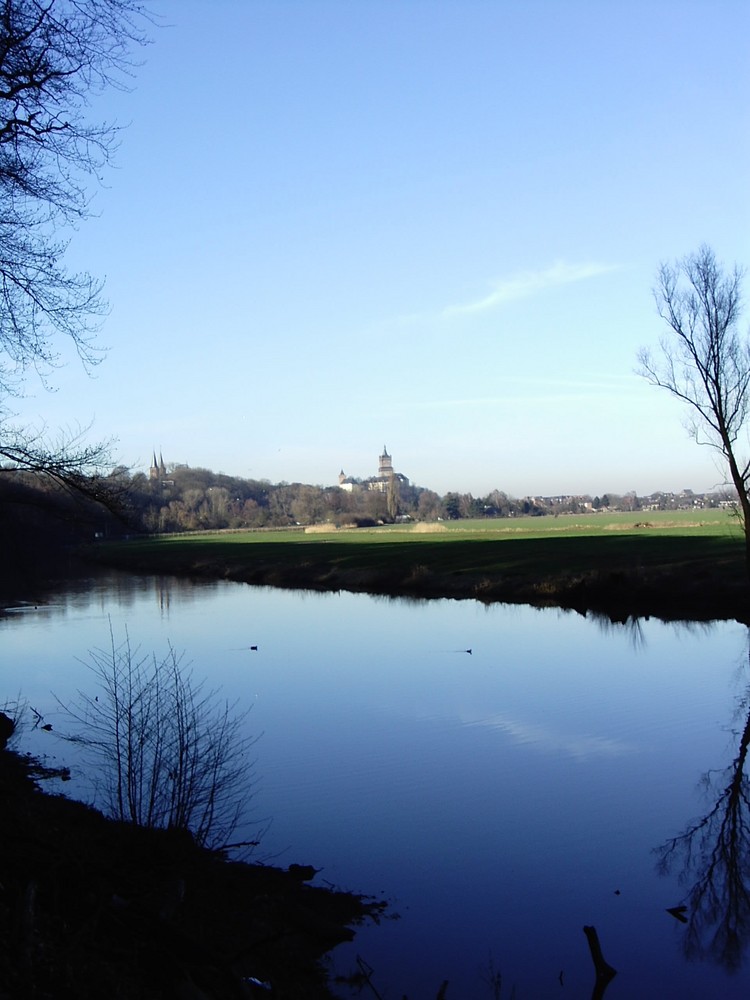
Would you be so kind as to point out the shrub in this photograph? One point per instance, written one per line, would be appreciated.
(168, 754)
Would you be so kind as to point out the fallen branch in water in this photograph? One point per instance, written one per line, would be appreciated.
(604, 971)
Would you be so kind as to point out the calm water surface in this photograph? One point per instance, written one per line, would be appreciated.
(500, 799)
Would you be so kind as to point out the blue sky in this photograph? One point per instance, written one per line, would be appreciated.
(430, 225)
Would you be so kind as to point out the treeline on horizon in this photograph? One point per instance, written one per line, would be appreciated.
(194, 499)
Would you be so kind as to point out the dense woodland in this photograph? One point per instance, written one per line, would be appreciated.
(191, 499)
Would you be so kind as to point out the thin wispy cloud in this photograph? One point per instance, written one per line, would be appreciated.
(536, 390)
(529, 283)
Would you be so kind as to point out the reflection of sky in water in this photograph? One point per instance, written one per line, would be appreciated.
(580, 746)
(499, 796)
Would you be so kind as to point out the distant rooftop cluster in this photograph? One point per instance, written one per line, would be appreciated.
(660, 500)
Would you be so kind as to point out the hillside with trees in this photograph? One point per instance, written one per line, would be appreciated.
(42, 515)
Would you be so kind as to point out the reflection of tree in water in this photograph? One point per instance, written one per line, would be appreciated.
(715, 851)
(633, 627)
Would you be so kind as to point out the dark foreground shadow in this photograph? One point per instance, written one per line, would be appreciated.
(95, 908)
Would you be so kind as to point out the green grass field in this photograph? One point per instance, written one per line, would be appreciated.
(680, 522)
(713, 523)
(684, 563)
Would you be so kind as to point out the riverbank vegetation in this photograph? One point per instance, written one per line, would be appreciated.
(675, 565)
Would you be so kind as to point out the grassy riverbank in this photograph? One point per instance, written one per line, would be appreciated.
(675, 565)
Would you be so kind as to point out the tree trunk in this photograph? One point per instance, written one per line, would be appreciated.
(741, 486)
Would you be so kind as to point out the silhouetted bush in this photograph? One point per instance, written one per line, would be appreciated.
(168, 753)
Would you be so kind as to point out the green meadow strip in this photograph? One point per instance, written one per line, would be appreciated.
(682, 564)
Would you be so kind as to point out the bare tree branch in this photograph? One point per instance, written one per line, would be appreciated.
(170, 753)
(55, 55)
(81, 468)
(704, 362)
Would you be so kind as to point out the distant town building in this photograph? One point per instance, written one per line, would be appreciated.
(385, 465)
(347, 483)
(158, 469)
(377, 483)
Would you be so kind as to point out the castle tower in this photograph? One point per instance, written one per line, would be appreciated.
(385, 467)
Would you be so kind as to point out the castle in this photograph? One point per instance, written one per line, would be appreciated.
(377, 483)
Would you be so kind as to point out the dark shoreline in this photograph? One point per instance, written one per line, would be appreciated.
(694, 579)
(93, 908)
(616, 596)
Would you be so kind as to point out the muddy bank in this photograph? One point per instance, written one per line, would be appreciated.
(697, 579)
(91, 908)
(618, 595)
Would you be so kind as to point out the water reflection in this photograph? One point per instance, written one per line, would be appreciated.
(634, 628)
(165, 590)
(712, 856)
(475, 791)
(580, 746)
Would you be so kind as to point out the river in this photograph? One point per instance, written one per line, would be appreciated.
(502, 775)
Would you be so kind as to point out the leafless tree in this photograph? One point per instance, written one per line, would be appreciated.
(169, 753)
(392, 495)
(705, 361)
(55, 57)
